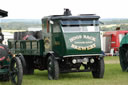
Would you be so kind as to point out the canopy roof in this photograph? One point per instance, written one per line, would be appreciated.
(81, 17)
(3, 13)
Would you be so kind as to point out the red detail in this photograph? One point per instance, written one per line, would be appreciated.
(25, 37)
(2, 58)
(2, 47)
(115, 42)
(47, 26)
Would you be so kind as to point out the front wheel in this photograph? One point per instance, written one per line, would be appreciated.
(16, 71)
(53, 68)
(98, 68)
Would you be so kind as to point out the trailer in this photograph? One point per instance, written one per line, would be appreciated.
(67, 44)
(111, 41)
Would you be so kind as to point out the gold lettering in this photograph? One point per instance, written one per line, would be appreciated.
(89, 47)
(94, 45)
(75, 38)
(93, 38)
(89, 37)
(84, 47)
(57, 43)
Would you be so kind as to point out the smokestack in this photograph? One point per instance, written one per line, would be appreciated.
(67, 12)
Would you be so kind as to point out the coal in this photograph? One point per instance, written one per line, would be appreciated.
(38, 34)
(28, 35)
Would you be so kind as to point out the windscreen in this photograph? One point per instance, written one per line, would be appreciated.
(80, 26)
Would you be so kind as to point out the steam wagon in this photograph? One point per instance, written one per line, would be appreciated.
(67, 44)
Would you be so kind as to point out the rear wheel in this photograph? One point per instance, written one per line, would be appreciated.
(98, 67)
(16, 71)
(53, 68)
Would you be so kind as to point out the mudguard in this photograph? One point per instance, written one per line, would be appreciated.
(123, 53)
(21, 57)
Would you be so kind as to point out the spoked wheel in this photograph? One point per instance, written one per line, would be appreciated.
(53, 69)
(98, 66)
(16, 71)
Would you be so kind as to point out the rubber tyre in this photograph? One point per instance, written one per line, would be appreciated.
(53, 69)
(16, 71)
(98, 66)
(22, 60)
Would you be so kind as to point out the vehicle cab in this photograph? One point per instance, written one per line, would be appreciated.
(72, 35)
(72, 42)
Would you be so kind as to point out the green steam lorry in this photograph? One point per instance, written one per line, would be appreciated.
(66, 43)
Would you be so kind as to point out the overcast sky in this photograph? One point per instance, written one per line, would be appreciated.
(36, 9)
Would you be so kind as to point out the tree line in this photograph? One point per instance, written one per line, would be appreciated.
(112, 24)
(122, 23)
(19, 25)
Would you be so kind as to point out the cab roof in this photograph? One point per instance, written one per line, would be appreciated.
(63, 17)
(3, 13)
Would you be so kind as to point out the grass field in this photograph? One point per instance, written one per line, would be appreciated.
(113, 76)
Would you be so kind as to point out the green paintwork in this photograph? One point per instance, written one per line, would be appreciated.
(82, 43)
(58, 44)
(26, 47)
(4, 71)
(6, 63)
(77, 43)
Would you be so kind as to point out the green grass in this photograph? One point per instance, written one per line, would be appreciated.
(107, 58)
(113, 76)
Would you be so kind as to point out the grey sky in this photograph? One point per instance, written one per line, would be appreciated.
(36, 9)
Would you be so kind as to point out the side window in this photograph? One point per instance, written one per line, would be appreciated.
(56, 28)
(46, 26)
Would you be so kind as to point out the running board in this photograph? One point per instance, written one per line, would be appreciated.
(67, 71)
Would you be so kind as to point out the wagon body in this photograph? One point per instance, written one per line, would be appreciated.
(67, 43)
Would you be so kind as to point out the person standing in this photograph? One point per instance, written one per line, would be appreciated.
(1, 36)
